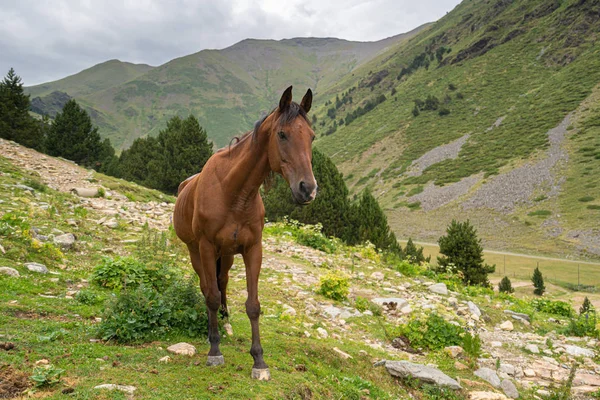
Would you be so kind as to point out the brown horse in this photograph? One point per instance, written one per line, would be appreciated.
(219, 212)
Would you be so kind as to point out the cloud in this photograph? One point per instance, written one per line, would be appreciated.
(50, 40)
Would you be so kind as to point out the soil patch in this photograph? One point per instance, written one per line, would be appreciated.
(12, 382)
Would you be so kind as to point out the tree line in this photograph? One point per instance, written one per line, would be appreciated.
(158, 163)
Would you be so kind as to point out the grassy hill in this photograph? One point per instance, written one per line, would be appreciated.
(227, 89)
(500, 75)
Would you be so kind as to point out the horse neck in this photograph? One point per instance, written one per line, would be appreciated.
(249, 168)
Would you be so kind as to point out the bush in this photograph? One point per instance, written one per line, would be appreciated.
(124, 272)
(144, 313)
(538, 282)
(553, 307)
(583, 325)
(414, 254)
(505, 286)
(433, 334)
(472, 345)
(586, 307)
(87, 297)
(334, 287)
(311, 236)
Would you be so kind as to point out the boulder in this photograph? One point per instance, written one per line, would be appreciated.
(85, 192)
(518, 315)
(507, 326)
(439, 288)
(9, 271)
(426, 374)
(488, 375)
(378, 276)
(532, 348)
(579, 351)
(509, 389)
(36, 267)
(474, 309)
(65, 241)
(183, 348)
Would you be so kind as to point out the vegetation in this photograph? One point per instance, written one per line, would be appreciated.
(538, 282)
(433, 333)
(462, 253)
(334, 286)
(505, 286)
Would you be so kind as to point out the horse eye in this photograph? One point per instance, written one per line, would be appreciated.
(281, 135)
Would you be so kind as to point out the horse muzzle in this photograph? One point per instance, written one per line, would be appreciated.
(305, 192)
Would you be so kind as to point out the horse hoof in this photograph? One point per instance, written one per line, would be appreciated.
(261, 374)
(215, 360)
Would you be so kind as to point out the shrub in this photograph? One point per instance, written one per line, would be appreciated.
(472, 345)
(144, 313)
(334, 287)
(433, 334)
(361, 304)
(586, 199)
(539, 213)
(124, 272)
(443, 111)
(462, 253)
(87, 297)
(553, 307)
(311, 236)
(505, 286)
(46, 375)
(538, 282)
(583, 325)
(586, 307)
(414, 254)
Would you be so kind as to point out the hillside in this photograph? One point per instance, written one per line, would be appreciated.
(226, 89)
(51, 307)
(490, 114)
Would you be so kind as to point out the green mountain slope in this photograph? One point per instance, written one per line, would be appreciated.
(227, 89)
(503, 74)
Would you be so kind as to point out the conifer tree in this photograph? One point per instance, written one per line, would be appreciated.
(370, 223)
(462, 252)
(538, 282)
(414, 253)
(505, 286)
(586, 307)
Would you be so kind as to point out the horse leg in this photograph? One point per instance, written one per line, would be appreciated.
(213, 301)
(225, 263)
(197, 264)
(253, 260)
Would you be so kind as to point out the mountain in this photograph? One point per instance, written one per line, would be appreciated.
(490, 114)
(226, 89)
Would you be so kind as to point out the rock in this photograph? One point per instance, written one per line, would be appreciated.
(509, 389)
(406, 310)
(288, 310)
(405, 369)
(453, 351)
(185, 349)
(496, 344)
(332, 311)
(228, 329)
(43, 361)
(460, 366)
(529, 373)
(400, 303)
(439, 288)
(474, 309)
(322, 333)
(111, 223)
(488, 375)
(579, 351)
(486, 396)
(164, 360)
(508, 369)
(507, 326)
(345, 356)
(452, 301)
(36, 267)
(24, 187)
(378, 276)
(532, 348)
(65, 241)
(122, 388)
(518, 315)
(10, 272)
(85, 192)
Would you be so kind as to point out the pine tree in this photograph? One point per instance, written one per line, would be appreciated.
(369, 222)
(414, 253)
(538, 282)
(15, 122)
(73, 137)
(505, 286)
(586, 307)
(462, 252)
(136, 162)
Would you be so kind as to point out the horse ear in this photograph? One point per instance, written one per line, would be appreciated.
(306, 101)
(286, 99)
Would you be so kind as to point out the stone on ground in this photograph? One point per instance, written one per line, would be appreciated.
(9, 271)
(184, 349)
(532, 348)
(65, 241)
(507, 326)
(474, 309)
(509, 389)
(486, 396)
(488, 375)
(426, 374)
(439, 288)
(322, 333)
(164, 360)
(36, 267)
(85, 192)
(122, 388)
(400, 302)
(453, 351)
(345, 356)
(579, 351)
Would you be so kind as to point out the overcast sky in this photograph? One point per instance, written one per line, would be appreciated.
(48, 40)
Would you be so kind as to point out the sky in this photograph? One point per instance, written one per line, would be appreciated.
(48, 40)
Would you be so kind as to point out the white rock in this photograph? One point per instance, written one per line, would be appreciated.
(165, 360)
(578, 351)
(424, 373)
(474, 309)
(507, 326)
(185, 349)
(532, 348)
(36, 267)
(509, 389)
(228, 329)
(508, 369)
(529, 373)
(452, 301)
(406, 310)
(65, 241)
(112, 223)
(332, 311)
(288, 310)
(477, 395)
(122, 388)
(378, 276)
(496, 344)
(9, 271)
(439, 288)
(488, 375)
(322, 333)
(345, 356)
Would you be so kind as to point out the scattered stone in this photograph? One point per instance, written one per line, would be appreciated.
(439, 288)
(518, 315)
(453, 351)
(228, 329)
(579, 351)
(332, 311)
(322, 333)
(529, 373)
(452, 301)
(111, 223)
(36, 267)
(496, 344)
(345, 356)
(406, 310)
(508, 369)
(378, 276)
(532, 348)
(165, 360)
(10, 272)
(288, 310)
(509, 389)
(43, 361)
(185, 349)
(85, 192)
(507, 326)
(474, 309)
(65, 241)
(399, 302)
(486, 396)
(460, 366)
(122, 388)
(488, 375)
(405, 369)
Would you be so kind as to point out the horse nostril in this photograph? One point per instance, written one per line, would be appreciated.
(303, 186)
